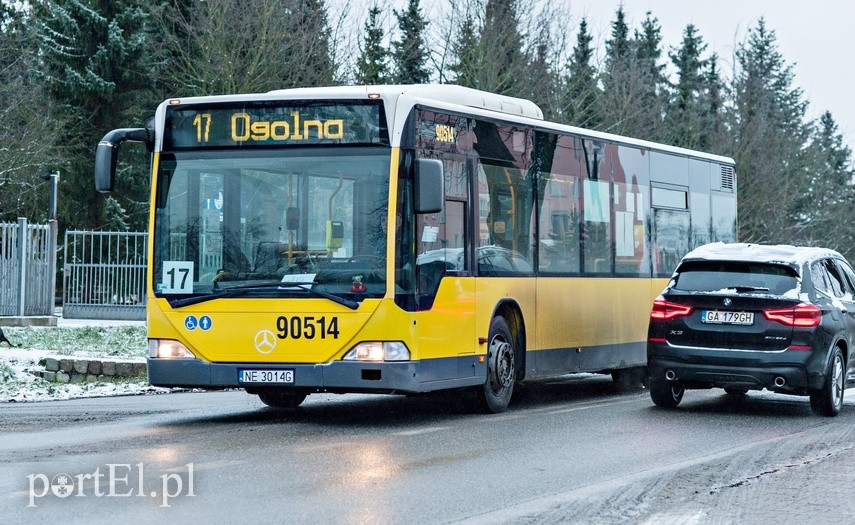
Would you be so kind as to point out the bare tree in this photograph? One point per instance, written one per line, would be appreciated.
(231, 46)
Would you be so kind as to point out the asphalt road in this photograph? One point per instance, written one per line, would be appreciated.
(573, 451)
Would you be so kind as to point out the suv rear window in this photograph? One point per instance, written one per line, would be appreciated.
(710, 276)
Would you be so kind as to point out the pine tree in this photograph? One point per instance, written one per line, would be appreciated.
(686, 114)
(372, 68)
(95, 61)
(489, 54)
(543, 49)
(627, 105)
(501, 40)
(715, 135)
(541, 86)
(831, 192)
(618, 46)
(652, 100)
(31, 146)
(308, 37)
(465, 49)
(114, 217)
(617, 99)
(769, 135)
(410, 54)
(579, 99)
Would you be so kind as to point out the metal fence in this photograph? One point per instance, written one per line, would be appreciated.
(104, 275)
(27, 259)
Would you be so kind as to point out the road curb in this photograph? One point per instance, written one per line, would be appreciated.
(79, 370)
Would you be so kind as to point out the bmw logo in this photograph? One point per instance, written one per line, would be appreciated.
(727, 301)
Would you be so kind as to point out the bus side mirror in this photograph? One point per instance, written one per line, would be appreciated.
(428, 183)
(108, 151)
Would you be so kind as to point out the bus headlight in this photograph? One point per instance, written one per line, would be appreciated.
(378, 351)
(168, 349)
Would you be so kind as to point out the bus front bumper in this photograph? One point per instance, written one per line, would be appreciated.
(336, 376)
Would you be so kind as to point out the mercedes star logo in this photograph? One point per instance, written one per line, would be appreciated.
(727, 302)
(265, 341)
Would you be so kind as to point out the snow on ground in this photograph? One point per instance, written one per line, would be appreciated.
(115, 341)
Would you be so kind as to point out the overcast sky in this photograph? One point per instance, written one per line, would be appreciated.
(817, 38)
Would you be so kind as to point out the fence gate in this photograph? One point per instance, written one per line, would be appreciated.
(104, 275)
(27, 260)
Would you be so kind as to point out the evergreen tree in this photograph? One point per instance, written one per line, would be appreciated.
(542, 79)
(492, 58)
(648, 50)
(503, 44)
(618, 46)
(466, 52)
(715, 136)
(629, 105)
(687, 111)
(372, 68)
(579, 98)
(114, 217)
(410, 54)
(32, 139)
(653, 99)
(831, 192)
(96, 64)
(769, 134)
(308, 37)
(540, 88)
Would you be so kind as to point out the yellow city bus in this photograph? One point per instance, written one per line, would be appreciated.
(406, 240)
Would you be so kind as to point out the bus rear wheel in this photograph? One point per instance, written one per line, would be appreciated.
(282, 399)
(495, 394)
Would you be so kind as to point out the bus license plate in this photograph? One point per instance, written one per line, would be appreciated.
(266, 376)
(724, 317)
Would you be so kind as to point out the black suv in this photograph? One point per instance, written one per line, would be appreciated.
(748, 317)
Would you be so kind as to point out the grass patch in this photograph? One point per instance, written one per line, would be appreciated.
(105, 341)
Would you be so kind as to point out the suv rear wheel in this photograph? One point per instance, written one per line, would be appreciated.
(666, 394)
(827, 400)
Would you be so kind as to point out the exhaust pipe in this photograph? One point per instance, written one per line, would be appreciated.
(780, 381)
(670, 375)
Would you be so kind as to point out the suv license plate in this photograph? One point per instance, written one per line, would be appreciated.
(725, 317)
(266, 376)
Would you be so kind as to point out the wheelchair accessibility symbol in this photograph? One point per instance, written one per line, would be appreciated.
(204, 322)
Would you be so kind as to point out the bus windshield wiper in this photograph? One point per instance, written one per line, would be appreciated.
(233, 291)
(353, 305)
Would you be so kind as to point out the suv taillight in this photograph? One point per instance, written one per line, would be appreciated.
(803, 315)
(665, 311)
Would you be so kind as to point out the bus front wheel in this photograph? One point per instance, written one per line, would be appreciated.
(279, 399)
(495, 395)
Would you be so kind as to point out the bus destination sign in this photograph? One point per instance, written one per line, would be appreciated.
(270, 124)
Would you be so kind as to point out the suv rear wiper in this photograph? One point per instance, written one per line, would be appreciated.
(238, 290)
(743, 289)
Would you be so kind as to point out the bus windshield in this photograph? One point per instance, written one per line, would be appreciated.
(273, 223)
